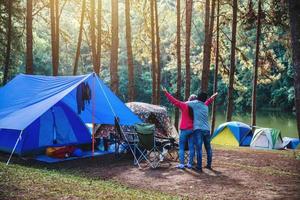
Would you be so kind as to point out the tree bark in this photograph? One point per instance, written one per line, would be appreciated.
(189, 9)
(29, 55)
(232, 62)
(215, 88)
(54, 15)
(206, 49)
(178, 52)
(53, 37)
(158, 68)
(83, 7)
(153, 53)
(131, 93)
(294, 8)
(93, 36)
(114, 47)
(99, 39)
(255, 68)
(57, 16)
(8, 45)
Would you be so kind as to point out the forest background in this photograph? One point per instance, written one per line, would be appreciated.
(135, 47)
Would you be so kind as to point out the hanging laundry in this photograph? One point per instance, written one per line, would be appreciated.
(83, 96)
(87, 93)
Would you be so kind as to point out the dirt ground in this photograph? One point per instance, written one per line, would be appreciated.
(239, 173)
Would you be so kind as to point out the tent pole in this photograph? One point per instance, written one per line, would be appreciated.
(115, 115)
(20, 135)
(93, 116)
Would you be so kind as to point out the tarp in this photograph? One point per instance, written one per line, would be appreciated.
(233, 133)
(36, 94)
(26, 100)
(154, 114)
(148, 113)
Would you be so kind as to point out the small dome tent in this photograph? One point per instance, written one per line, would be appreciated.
(291, 143)
(233, 134)
(267, 138)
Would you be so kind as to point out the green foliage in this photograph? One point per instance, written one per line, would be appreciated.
(17, 55)
(275, 88)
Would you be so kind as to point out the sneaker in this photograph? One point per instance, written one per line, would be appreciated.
(189, 166)
(180, 166)
(198, 169)
(208, 167)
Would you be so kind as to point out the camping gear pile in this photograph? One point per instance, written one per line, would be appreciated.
(148, 113)
(156, 115)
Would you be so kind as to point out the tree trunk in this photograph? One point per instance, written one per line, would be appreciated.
(153, 53)
(29, 56)
(294, 7)
(54, 15)
(57, 16)
(8, 46)
(178, 52)
(255, 69)
(215, 89)
(158, 70)
(129, 53)
(114, 47)
(99, 39)
(93, 36)
(206, 49)
(189, 10)
(79, 37)
(232, 62)
(53, 37)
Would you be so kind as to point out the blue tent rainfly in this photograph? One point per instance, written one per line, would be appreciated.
(40, 111)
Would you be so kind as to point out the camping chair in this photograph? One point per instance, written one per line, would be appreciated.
(151, 148)
(146, 147)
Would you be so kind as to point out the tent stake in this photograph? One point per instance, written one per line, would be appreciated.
(20, 135)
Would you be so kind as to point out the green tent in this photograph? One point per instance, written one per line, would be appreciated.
(267, 138)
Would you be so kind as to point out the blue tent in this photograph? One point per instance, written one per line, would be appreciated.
(40, 111)
(233, 133)
(291, 143)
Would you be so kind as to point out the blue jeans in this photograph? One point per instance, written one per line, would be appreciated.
(186, 135)
(202, 136)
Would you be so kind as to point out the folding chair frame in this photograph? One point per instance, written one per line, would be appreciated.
(146, 155)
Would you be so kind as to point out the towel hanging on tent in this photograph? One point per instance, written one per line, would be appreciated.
(83, 96)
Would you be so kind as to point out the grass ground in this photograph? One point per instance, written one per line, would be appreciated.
(23, 182)
(239, 173)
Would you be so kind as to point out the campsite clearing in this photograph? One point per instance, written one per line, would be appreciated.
(239, 173)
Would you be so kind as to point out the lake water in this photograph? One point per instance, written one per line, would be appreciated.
(286, 122)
